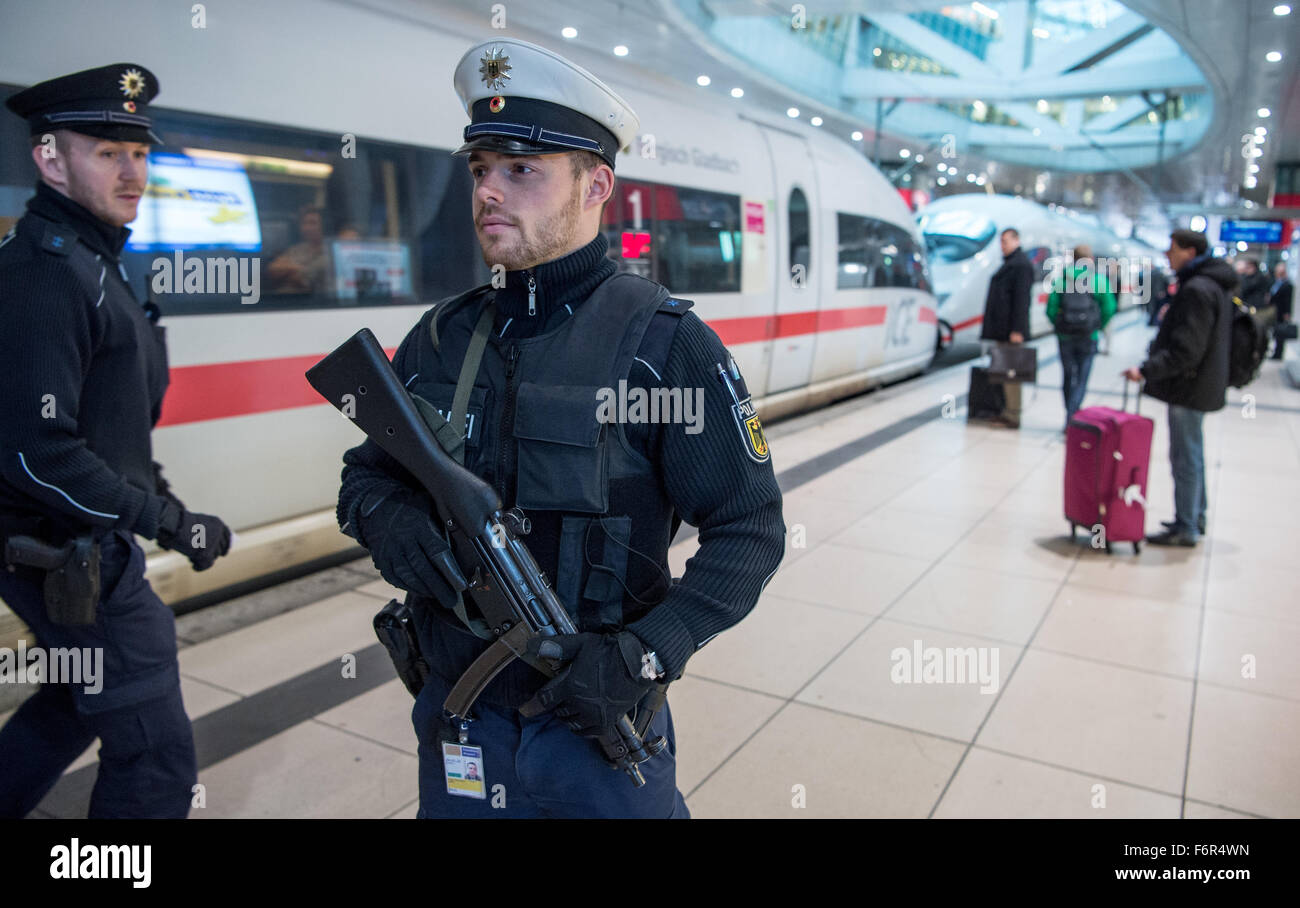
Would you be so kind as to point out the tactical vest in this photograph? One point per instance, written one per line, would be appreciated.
(601, 518)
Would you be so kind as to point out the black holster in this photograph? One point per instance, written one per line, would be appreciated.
(71, 584)
(396, 631)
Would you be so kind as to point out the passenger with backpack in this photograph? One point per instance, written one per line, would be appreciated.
(1188, 368)
(1079, 306)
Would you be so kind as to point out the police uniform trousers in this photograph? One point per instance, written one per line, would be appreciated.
(538, 767)
(146, 756)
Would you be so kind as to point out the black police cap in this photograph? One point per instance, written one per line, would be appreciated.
(108, 102)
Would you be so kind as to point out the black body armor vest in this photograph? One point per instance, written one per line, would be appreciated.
(601, 518)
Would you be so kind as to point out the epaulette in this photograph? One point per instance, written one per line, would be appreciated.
(675, 305)
(450, 304)
(59, 239)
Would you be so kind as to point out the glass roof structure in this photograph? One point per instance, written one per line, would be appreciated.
(1077, 85)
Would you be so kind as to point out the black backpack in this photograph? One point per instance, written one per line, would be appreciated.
(1079, 314)
(1247, 344)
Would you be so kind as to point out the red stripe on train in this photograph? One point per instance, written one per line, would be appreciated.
(220, 390)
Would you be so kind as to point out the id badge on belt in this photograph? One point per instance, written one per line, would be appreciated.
(462, 764)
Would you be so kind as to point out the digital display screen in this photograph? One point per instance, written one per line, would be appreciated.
(196, 203)
(1250, 231)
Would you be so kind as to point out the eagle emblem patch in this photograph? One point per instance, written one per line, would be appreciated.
(744, 413)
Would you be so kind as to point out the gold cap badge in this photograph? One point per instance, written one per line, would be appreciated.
(132, 83)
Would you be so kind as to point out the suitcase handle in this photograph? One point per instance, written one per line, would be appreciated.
(1137, 408)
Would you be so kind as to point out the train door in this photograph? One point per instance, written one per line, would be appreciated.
(799, 272)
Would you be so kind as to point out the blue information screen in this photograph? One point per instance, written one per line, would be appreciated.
(1250, 232)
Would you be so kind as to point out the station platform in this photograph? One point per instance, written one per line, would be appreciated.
(1161, 684)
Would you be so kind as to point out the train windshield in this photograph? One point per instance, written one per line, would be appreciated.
(951, 236)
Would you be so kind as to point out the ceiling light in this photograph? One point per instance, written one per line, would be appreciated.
(1261, 131)
(857, 135)
(1198, 223)
(875, 52)
(1242, 245)
(816, 121)
(620, 51)
(981, 180)
(1273, 56)
(970, 178)
(569, 32)
(702, 81)
(792, 112)
(1281, 9)
(1263, 113)
(1251, 182)
(984, 10)
(1253, 168)
(942, 181)
(904, 153)
(738, 92)
(920, 159)
(1042, 33)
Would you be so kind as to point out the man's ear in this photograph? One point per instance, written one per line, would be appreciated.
(601, 188)
(52, 162)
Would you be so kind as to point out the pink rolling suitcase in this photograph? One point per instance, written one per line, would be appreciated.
(1107, 453)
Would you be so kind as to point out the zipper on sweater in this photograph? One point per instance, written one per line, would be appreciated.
(506, 456)
(532, 295)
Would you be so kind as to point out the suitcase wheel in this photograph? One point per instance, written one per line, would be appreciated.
(1109, 549)
(1137, 548)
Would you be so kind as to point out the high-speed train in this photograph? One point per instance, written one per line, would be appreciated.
(962, 241)
(307, 169)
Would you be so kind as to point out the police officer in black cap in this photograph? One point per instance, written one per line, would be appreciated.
(605, 491)
(86, 369)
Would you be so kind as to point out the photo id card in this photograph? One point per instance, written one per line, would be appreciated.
(463, 767)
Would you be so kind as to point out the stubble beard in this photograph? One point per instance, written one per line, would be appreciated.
(548, 239)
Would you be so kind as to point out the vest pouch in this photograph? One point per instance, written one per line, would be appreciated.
(591, 570)
(563, 460)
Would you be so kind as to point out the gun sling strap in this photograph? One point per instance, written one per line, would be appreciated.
(451, 433)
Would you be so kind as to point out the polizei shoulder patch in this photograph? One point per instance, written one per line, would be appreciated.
(744, 412)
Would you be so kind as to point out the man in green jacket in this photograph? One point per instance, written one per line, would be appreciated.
(1079, 306)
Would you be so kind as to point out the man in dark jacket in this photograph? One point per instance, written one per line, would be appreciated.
(1006, 310)
(1279, 297)
(1254, 285)
(1187, 368)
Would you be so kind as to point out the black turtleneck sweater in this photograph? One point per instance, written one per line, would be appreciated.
(85, 371)
(557, 286)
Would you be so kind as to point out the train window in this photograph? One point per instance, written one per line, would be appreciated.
(800, 233)
(239, 213)
(875, 253)
(952, 236)
(689, 240)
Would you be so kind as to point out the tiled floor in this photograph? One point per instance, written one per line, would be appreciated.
(1160, 685)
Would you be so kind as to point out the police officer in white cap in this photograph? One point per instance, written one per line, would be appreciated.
(605, 489)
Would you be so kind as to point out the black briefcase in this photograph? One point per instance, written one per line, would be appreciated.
(1013, 362)
(1285, 330)
(986, 400)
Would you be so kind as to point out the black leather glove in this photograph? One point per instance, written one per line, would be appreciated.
(407, 546)
(601, 683)
(201, 538)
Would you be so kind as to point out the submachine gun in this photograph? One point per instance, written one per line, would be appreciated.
(513, 595)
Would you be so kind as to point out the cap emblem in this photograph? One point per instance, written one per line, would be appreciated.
(496, 104)
(128, 106)
(132, 83)
(494, 67)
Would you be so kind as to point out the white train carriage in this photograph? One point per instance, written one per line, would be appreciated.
(794, 248)
(962, 241)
